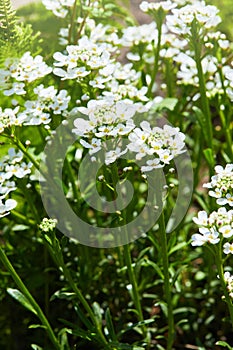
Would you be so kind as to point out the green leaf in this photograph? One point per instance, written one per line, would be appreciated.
(60, 294)
(81, 333)
(63, 339)
(208, 153)
(202, 122)
(167, 103)
(17, 295)
(223, 343)
(83, 318)
(34, 326)
(177, 247)
(136, 325)
(148, 262)
(110, 326)
(98, 313)
(36, 347)
(20, 227)
(119, 346)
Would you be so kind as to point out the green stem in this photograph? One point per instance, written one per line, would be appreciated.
(72, 23)
(56, 252)
(227, 133)
(128, 260)
(167, 285)
(222, 281)
(224, 121)
(72, 179)
(197, 45)
(133, 282)
(19, 144)
(169, 78)
(22, 217)
(83, 301)
(30, 298)
(156, 61)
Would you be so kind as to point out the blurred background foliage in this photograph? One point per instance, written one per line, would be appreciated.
(200, 306)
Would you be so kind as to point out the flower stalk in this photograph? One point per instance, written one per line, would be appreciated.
(167, 283)
(6, 262)
(196, 43)
(219, 264)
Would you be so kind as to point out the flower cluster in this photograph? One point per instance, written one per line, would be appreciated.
(80, 59)
(91, 63)
(17, 72)
(229, 282)
(47, 225)
(221, 185)
(106, 118)
(160, 144)
(109, 119)
(150, 6)
(206, 16)
(60, 8)
(11, 166)
(145, 33)
(9, 118)
(219, 224)
(49, 101)
(213, 228)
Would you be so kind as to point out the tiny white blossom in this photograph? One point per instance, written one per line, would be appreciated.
(6, 207)
(228, 248)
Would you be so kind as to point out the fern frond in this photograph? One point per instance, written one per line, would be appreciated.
(15, 38)
(7, 21)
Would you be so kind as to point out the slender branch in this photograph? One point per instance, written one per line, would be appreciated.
(30, 298)
(167, 285)
(219, 264)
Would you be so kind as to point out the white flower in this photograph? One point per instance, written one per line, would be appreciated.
(122, 129)
(17, 88)
(162, 143)
(205, 235)
(202, 218)
(13, 156)
(71, 73)
(93, 147)
(28, 68)
(226, 230)
(198, 240)
(7, 207)
(10, 117)
(18, 170)
(83, 127)
(6, 188)
(228, 248)
(111, 156)
(59, 8)
(48, 224)
(151, 164)
(206, 15)
(165, 156)
(228, 277)
(221, 185)
(150, 6)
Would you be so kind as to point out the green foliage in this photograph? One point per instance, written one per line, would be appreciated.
(226, 13)
(84, 291)
(43, 22)
(7, 22)
(15, 38)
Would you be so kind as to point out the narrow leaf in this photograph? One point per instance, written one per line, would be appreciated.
(17, 295)
(110, 326)
(223, 343)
